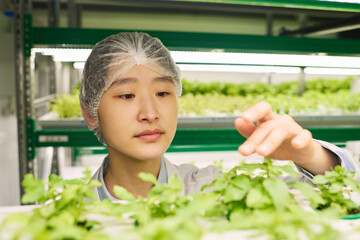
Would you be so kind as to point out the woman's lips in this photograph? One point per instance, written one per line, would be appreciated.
(149, 135)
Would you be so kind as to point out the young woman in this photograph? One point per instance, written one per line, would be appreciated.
(128, 96)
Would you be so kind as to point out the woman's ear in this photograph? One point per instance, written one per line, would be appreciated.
(91, 122)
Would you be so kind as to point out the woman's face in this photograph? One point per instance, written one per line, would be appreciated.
(138, 114)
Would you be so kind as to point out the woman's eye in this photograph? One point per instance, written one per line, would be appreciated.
(162, 94)
(127, 96)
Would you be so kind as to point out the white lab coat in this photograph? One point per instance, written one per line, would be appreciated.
(194, 178)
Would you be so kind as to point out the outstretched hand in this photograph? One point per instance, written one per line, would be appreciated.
(280, 137)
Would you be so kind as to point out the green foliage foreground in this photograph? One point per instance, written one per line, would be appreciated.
(250, 198)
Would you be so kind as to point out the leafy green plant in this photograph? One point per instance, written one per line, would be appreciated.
(248, 197)
(252, 196)
(253, 186)
(322, 96)
(163, 200)
(311, 102)
(244, 89)
(67, 105)
(292, 224)
(65, 204)
(334, 191)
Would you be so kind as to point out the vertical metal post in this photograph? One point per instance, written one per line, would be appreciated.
(303, 21)
(55, 162)
(74, 14)
(52, 77)
(74, 21)
(22, 27)
(301, 81)
(269, 24)
(53, 14)
(53, 17)
(269, 78)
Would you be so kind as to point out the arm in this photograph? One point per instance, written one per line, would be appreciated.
(346, 161)
(280, 137)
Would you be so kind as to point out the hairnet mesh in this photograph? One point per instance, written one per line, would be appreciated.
(122, 51)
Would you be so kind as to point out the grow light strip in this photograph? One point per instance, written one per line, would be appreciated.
(187, 57)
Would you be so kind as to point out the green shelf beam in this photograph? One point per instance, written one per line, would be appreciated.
(66, 138)
(86, 37)
(301, 4)
(188, 140)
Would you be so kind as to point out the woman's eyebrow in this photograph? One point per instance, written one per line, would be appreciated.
(122, 81)
(165, 79)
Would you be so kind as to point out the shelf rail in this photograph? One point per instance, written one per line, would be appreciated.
(195, 41)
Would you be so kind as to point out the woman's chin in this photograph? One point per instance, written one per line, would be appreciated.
(150, 154)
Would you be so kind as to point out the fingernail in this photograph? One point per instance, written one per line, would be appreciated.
(263, 149)
(248, 116)
(247, 148)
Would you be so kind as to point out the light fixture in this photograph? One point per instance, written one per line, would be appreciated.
(332, 71)
(344, 1)
(265, 59)
(238, 68)
(65, 54)
(229, 62)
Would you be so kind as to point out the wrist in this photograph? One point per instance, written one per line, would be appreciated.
(322, 160)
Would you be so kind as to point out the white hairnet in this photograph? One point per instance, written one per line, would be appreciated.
(123, 51)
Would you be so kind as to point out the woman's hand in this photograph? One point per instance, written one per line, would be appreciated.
(280, 137)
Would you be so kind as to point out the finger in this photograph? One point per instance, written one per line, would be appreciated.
(246, 149)
(256, 138)
(273, 141)
(259, 112)
(244, 128)
(283, 126)
(302, 139)
(284, 129)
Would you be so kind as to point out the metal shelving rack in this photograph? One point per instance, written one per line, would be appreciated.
(25, 111)
(194, 138)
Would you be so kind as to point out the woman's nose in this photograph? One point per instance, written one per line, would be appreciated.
(148, 110)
